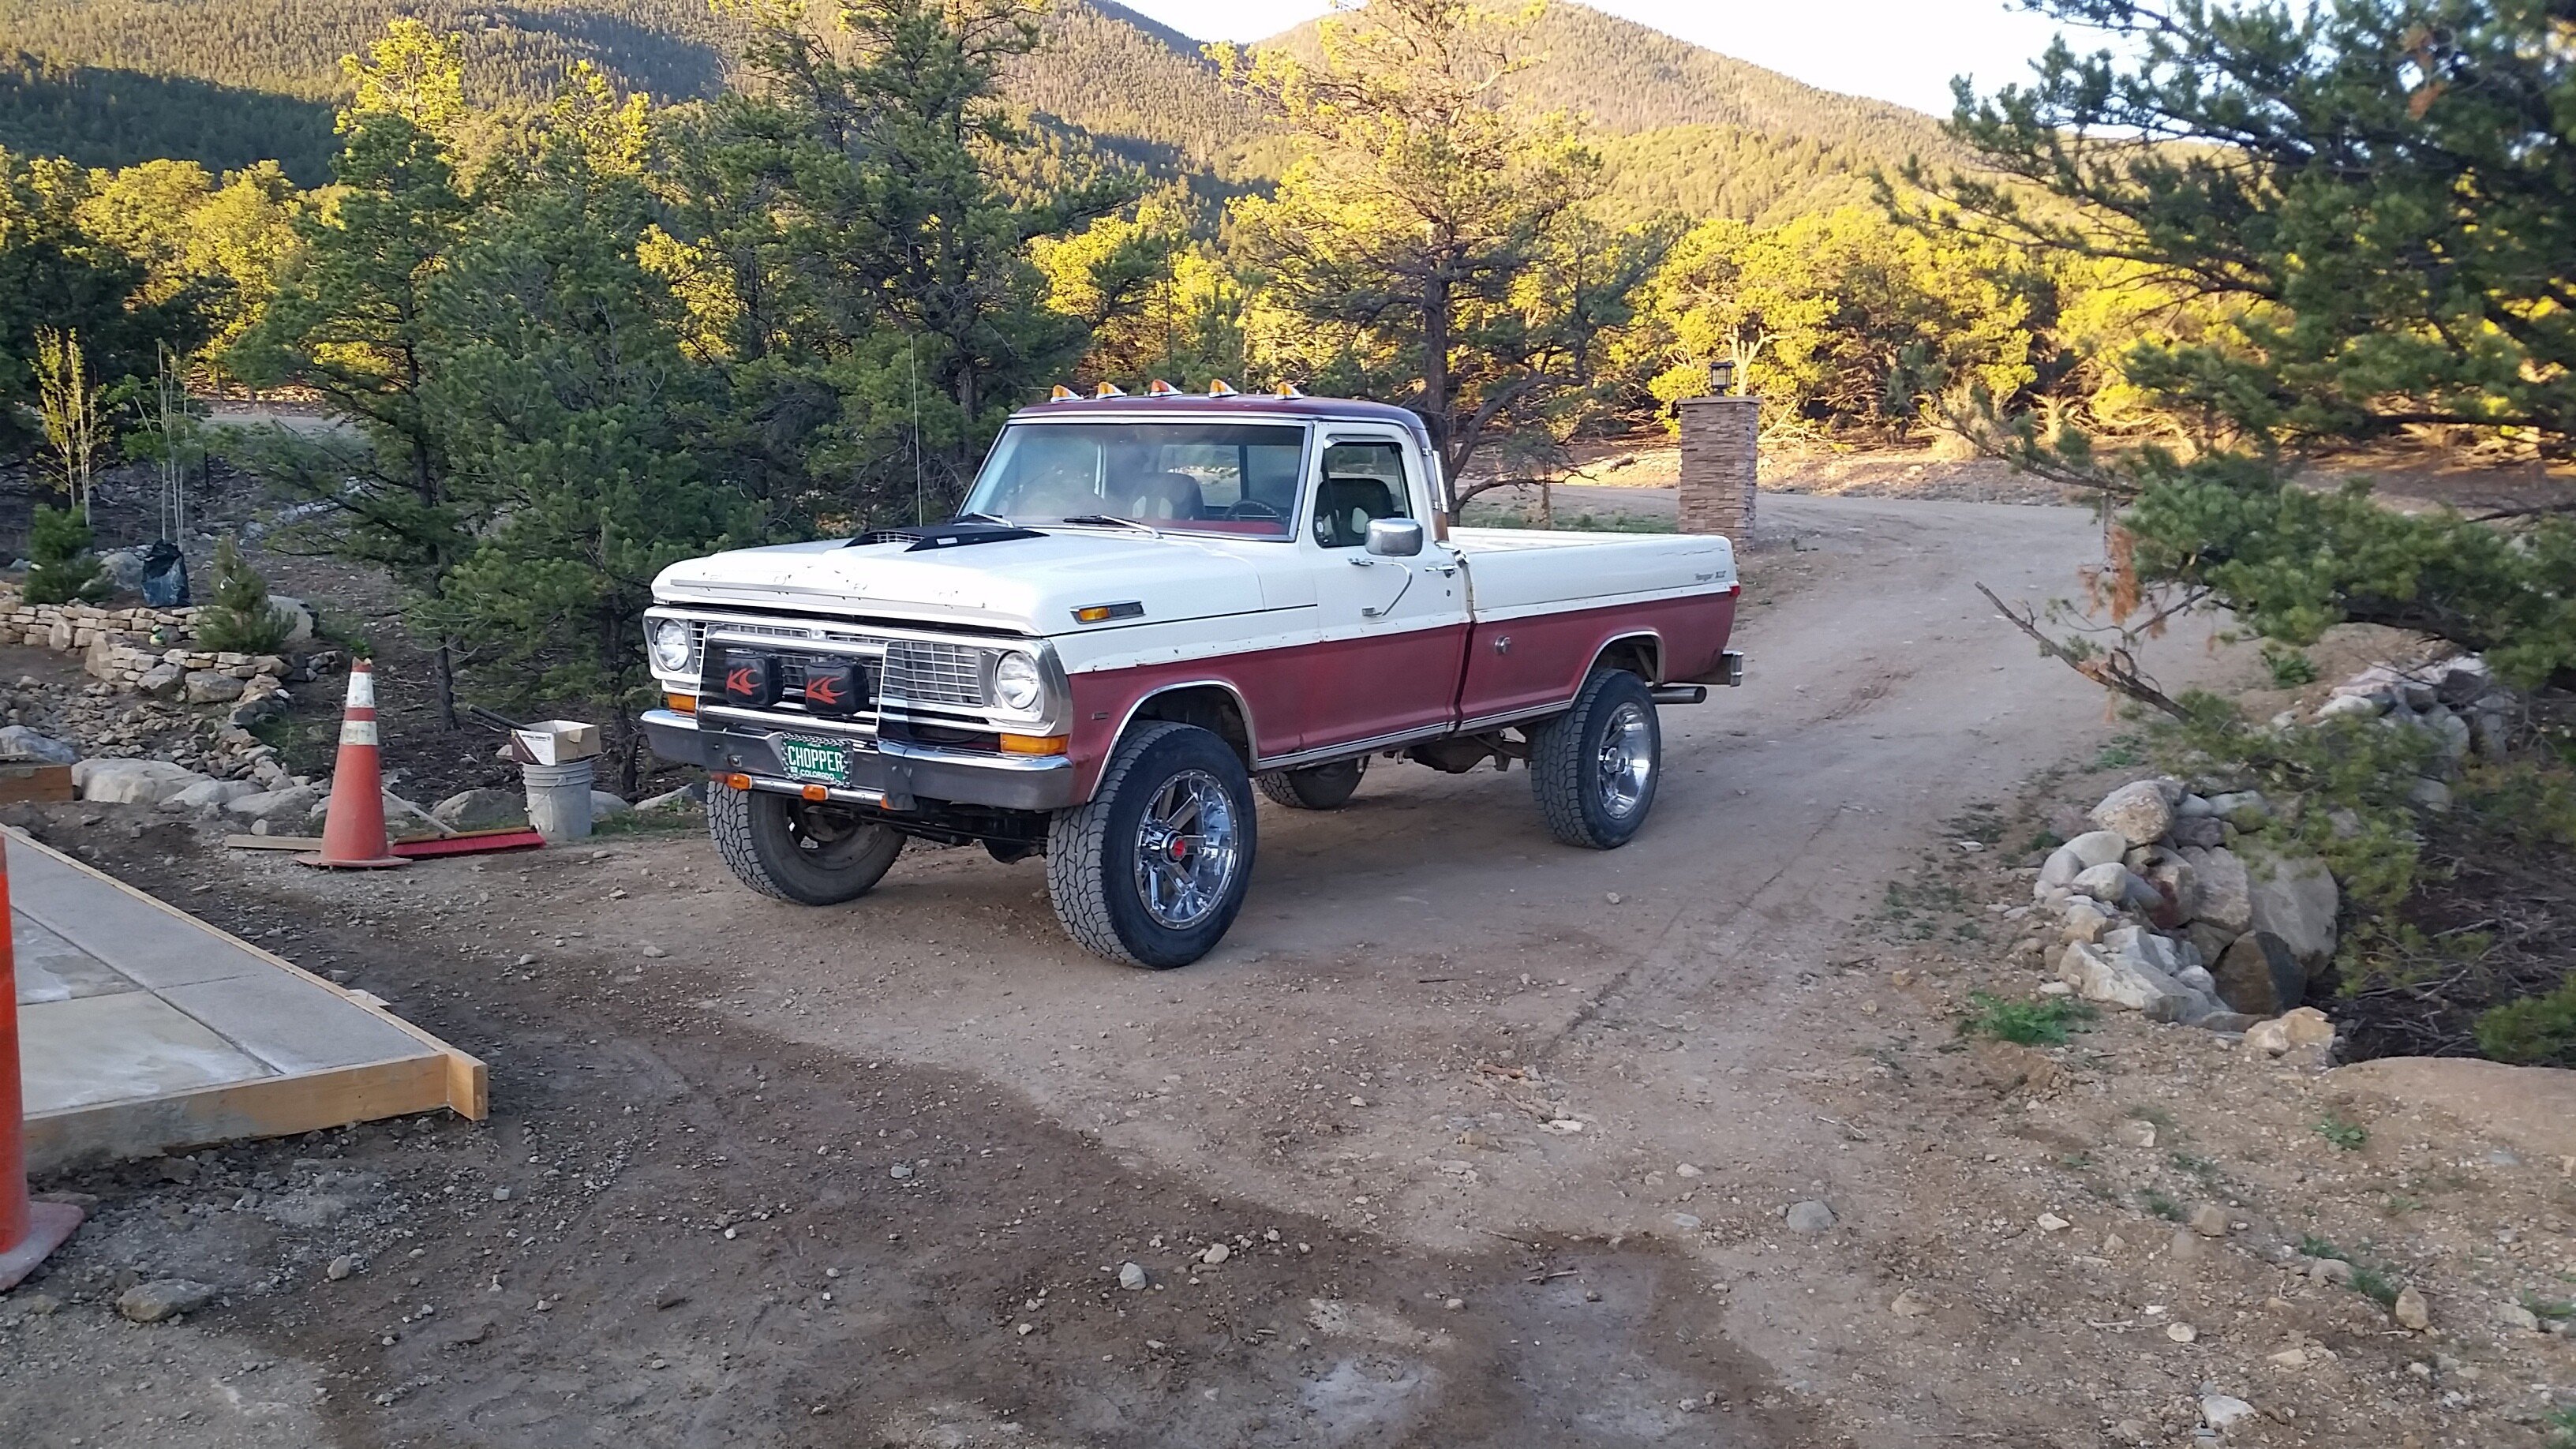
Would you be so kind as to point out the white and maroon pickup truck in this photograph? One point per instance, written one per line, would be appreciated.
(1149, 607)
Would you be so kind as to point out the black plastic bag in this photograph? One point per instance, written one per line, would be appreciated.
(165, 576)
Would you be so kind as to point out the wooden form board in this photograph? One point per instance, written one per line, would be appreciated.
(276, 1049)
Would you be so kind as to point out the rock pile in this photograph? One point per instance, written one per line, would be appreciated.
(66, 627)
(2158, 912)
(2456, 701)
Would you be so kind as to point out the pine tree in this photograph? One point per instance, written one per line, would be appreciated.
(241, 620)
(61, 566)
(351, 321)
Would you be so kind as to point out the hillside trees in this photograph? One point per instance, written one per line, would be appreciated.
(2375, 202)
(351, 320)
(853, 238)
(1836, 320)
(1430, 249)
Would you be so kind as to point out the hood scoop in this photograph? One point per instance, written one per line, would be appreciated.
(945, 535)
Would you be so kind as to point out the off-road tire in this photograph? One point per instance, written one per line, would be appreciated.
(756, 837)
(1566, 764)
(1316, 787)
(1091, 849)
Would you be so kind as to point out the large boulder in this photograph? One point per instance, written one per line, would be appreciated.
(163, 681)
(299, 619)
(481, 810)
(2222, 893)
(2115, 885)
(2138, 812)
(2094, 847)
(281, 810)
(131, 782)
(2294, 898)
(17, 742)
(206, 686)
(2100, 974)
(207, 796)
(2258, 974)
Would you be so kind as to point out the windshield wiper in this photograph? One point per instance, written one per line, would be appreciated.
(986, 517)
(1098, 519)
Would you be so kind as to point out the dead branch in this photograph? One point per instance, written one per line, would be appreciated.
(2113, 669)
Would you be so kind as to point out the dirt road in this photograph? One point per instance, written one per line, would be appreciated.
(1497, 1139)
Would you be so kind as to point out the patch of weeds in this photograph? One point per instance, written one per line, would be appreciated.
(2374, 1285)
(2158, 1203)
(2312, 1246)
(2552, 1309)
(2163, 1119)
(2042, 840)
(2343, 1132)
(2078, 1161)
(2197, 1166)
(2562, 1428)
(1981, 822)
(2044, 1022)
(1967, 931)
(2122, 752)
(2398, 1205)
(2289, 668)
(661, 820)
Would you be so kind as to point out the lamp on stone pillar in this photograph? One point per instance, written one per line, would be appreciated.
(1718, 462)
(1721, 377)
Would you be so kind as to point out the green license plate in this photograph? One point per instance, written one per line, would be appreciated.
(817, 761)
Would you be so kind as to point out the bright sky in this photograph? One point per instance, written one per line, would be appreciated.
(1897, 50)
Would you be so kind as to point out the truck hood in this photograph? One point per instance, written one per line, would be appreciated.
(1030, 585)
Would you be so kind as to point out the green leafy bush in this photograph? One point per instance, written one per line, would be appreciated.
(2537, 1031)
(2290, 668)
(2032, 1023)
(241, 620)
(63, 568)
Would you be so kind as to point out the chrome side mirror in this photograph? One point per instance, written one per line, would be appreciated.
(1394, 537)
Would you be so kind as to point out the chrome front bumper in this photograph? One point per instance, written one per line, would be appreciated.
(883, 773)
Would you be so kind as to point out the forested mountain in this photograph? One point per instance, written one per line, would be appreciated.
(228, 81)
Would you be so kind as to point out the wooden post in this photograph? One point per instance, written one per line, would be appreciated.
(1718, 465)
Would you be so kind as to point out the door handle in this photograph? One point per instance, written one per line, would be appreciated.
(1362, 561)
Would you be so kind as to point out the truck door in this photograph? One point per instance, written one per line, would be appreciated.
(1393, 630)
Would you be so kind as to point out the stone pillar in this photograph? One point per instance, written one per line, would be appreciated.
(1718, 465)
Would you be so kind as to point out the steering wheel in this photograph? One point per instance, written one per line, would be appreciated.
(1255, 509)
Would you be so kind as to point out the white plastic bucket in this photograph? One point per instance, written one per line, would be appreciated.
(559, 799)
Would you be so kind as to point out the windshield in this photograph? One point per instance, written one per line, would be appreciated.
(1238, 478)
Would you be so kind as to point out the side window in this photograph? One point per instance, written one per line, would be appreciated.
(1362, 482)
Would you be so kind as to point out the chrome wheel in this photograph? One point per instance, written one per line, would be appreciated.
(1188, 846)
(1625, 768)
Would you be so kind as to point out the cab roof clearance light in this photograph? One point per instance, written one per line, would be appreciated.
(1221, 388)
(1061, 393)
(1288, 390)
(1160, 388)
(1110, 389)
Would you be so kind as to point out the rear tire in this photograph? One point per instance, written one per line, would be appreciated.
(814, 855)
(1153, 869)
(1316, 787)
(1595, 767)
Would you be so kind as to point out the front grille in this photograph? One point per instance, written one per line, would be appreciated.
(920, 672)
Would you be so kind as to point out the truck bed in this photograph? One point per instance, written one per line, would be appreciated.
(1545, 603)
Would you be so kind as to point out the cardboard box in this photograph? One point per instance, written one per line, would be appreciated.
(553, 742)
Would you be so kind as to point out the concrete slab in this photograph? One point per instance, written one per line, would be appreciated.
(293, 1025)
(143, 1029)
(94, 1049)
(152, 944)
(53, 969)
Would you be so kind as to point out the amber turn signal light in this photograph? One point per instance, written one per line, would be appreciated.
(684, 703)
(736, 782)
(1035, 744)
(815, 792)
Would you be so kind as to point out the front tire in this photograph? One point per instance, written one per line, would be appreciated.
(1595, 767)
(1316, 787)
(1152, 870)
(795, 850)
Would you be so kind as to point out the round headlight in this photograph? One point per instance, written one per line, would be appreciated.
(1017, 684)
(670, 645)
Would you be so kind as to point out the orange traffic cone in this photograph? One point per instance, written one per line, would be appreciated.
(28, 1230)
(353, 831)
